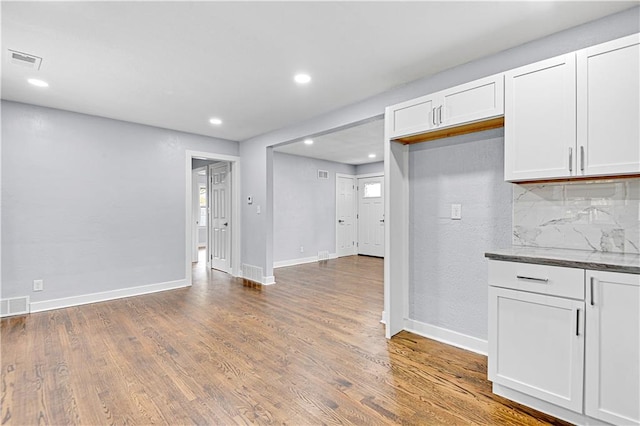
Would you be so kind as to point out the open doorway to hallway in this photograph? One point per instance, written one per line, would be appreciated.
(212, 212)
(315, 197)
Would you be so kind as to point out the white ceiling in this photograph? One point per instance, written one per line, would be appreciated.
(176, 64)
(350, 146)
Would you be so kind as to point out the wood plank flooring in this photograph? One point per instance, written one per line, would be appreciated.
(309, 350)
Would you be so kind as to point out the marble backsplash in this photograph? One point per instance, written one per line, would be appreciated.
(602, 215)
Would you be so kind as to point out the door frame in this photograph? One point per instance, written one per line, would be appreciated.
(358, 177)
(354, 250)
(235, 209)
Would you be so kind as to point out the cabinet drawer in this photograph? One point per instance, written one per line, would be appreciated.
(543, 279)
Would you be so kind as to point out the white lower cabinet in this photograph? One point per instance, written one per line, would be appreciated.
(561, 346)
(537, 344)
(612, 354)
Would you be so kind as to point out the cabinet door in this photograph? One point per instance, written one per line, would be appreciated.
(475, 101)
(612, 353)
(536, 345)
(609, 107)
(411, 117)
(540, 120)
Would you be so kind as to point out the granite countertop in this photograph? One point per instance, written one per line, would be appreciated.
(599, 261)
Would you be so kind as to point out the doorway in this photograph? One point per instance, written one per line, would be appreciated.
(231, 200)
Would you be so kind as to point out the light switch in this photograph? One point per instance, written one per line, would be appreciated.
(456, 211)
(258, 209)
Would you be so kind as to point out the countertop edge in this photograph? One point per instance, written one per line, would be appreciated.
(568, 263)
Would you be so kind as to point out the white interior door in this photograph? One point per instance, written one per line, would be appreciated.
(219, 216)
(371, 216)
(345, 214)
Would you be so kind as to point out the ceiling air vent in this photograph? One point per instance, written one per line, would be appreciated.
(323, 174)
(25, 59)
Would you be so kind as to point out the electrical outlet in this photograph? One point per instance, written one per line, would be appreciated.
(456, 211)
(301, 249)
(38, 285)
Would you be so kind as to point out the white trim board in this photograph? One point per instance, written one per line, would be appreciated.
(300, 261)
(84, 299)
(368, 175)
(447, 336)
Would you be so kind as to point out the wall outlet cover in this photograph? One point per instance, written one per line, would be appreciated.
(456, 211)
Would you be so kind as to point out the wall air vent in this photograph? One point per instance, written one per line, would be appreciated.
(14, 306)
(323, 174)
(25, 59)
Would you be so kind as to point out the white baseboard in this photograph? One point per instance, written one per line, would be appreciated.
(383, 319)
(300, 261)
(449, 337)
(84, 299)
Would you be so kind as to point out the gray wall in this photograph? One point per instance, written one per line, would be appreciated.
(377, 167)
(448, 271)
(91, 204)
(257, 247)
(304, 206)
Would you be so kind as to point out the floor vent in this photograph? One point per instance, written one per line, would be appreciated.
(323, 174)
(323, 256)
(253, 273)
(14, 306)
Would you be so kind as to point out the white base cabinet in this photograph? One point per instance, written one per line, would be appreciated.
(612, 353)
(566, 341)
(537, 344)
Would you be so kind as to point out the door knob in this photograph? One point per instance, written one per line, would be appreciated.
(226, 224)
(340, 221)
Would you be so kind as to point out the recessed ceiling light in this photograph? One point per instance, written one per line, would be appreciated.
(302, 78)
(38, 83)
(372, 156)
(308, 141)
(215, 121)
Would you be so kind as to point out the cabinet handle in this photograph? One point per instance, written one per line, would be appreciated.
(522, 277)
(433, 116)
(582, 158)
(577, 322)
(591, 280)
(570, 159)
(440, 114)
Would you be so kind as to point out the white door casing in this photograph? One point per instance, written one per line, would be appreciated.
(345, 215)
(195, 216)
(219, 216)
(371, 216)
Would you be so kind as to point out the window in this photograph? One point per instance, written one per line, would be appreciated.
(372, 190)
(203, 205)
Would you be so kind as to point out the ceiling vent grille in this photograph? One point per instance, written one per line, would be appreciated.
(25, 59)
(323, 174)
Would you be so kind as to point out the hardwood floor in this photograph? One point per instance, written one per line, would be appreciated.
(309, 350)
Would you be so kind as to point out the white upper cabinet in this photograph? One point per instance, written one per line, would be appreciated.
(612, 357)
(471, 102)
(609, 108)
(411, 117)
(575, 115)
(540, 120)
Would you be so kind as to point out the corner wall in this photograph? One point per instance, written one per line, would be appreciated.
(90, 204)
